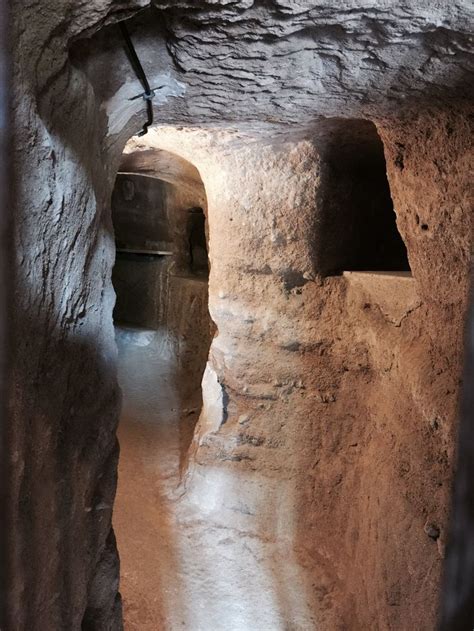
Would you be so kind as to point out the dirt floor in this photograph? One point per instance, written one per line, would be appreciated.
(182, 566)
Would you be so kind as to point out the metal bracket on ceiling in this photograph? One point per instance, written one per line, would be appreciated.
(145, 96)
(149, 94)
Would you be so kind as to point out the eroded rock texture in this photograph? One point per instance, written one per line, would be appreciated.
(339, 419)
(288, 61)
(340, 392)
(64, 400)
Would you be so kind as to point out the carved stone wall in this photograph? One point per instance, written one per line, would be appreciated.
(343, 413)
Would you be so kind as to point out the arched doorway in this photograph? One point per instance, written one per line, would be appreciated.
(163, 332)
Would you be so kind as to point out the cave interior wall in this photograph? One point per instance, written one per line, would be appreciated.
(301, 356)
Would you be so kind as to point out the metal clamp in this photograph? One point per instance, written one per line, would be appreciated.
(147, 96)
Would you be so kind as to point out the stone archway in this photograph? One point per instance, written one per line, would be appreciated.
(163, 331)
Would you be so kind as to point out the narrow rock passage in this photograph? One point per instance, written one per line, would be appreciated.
(184, 564)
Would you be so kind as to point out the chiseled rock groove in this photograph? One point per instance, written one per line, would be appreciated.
(272, 61)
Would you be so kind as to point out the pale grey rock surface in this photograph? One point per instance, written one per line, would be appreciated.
(291, 62)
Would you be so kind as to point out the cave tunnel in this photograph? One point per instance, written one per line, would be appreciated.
(163, 332)
(237, 244)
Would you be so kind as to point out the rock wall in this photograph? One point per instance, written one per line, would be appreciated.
(62, 566)
(337, 421)
(330, 402)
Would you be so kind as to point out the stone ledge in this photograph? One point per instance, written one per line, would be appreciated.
(394, 293)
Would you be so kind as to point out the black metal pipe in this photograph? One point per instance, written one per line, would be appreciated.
(148, 93)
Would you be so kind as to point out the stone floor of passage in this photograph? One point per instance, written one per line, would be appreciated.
(190, 560)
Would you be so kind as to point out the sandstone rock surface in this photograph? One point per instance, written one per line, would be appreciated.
(351, 419)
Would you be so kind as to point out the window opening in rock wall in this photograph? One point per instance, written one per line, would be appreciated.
(356, 228)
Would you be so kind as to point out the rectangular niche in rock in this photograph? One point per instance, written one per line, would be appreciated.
(356, 228)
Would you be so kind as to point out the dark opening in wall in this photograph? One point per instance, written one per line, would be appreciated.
(196, 230)
(356, 228)
(141, 215)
